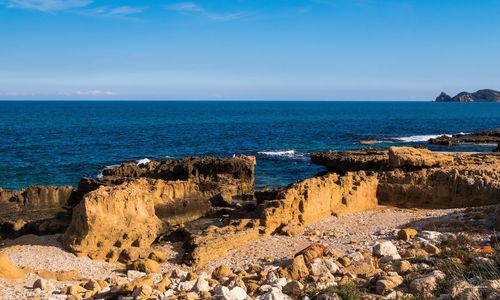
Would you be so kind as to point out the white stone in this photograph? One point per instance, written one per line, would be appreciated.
(169, 293)
(222, 292)
(201, 285)
(238, 293)
(280, 282)
(385, 248)
(179, 274)
(431, 236)
(265, 288)
(186, 286)
(331, 265)
(271, 277)
(275, 294)
(133, 275)
(319, 268)
(389, 258)
(44, 285)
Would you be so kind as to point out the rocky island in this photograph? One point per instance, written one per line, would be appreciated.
(479, 96)
(396, 223)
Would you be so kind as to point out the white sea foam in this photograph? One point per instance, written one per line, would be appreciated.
(417, 138)
(111, 167)
(142, 161)
(282, 153)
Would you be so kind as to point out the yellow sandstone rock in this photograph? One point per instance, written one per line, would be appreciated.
(407, 234)
(113, 218)
(8, 270)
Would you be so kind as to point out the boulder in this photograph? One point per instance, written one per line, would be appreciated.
(111, 219)
(407, 234)
(425, 285)
(221, 272)
(311, 252)
(385, 248)
(298, 268)
(147, 266)
(389, 282)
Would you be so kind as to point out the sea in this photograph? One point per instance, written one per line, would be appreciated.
(58, 142)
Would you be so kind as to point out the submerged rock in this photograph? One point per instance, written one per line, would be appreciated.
(481, 137)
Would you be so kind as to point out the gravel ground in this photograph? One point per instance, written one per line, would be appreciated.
(345, 234)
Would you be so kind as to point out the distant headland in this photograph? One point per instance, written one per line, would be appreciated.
(479, 96)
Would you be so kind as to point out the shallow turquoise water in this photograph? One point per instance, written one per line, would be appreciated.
(55, 143)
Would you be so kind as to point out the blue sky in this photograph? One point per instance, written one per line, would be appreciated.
(247, 49)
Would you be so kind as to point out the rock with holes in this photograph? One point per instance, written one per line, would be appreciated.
(111, 219)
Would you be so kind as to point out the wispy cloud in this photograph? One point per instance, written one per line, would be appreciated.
(106, 11)
(195, 9)
(84, 7)
(185, 7)
(47, 5)
(90, 93)
(15, 94)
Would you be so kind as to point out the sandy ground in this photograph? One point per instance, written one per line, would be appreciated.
(345, 234)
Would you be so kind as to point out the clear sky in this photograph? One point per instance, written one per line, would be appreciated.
(247, 49)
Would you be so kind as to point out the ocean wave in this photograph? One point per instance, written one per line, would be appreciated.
(111, 167)
(417, 138)
(142, 161)
(283, 153)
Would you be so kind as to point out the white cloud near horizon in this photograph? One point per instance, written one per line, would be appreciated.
(48, 5)
(193, 8)
(90, 93)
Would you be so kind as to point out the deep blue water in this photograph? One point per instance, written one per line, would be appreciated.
(56, 143)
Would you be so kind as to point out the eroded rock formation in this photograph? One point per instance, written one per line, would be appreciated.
(174, 191)
(111, 219)
(33, 209)
(411, 177)
(316, 198)
(299, 204)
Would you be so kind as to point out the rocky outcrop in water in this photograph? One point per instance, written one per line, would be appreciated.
(481, 137)
(479, 96)
(196, 169)
(173, 192)
(411, 177)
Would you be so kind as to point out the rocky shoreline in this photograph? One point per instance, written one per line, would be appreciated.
(207, 209)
